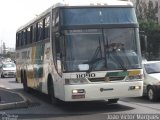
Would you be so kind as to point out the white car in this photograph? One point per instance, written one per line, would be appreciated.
(8, 69)
(152, 79)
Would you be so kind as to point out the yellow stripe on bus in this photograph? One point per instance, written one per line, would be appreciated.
(135, 72)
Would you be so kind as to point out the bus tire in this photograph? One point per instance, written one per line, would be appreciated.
(151, 93)
(51, 93)
(25, 86)
(113, 100)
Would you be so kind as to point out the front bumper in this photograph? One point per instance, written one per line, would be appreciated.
(103, 91)
(9, 74)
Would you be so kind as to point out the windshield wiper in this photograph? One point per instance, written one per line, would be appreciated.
(94, 59)
(119, 61)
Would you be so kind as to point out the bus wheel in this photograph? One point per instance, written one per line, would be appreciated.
(151, 94)
(25, 86)
(113, 100)
(51, 94)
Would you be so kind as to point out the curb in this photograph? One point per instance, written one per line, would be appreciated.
(14, 105)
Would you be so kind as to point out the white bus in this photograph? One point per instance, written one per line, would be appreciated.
(81, 52)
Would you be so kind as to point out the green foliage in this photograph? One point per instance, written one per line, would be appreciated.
(149, 26)
(146, 11)
(148, 23)
(152, 31)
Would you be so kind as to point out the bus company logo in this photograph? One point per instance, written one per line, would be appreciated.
(86, 75)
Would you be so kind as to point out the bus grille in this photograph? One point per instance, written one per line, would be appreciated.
(103, 79)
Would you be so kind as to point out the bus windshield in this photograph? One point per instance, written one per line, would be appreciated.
(102, 49)
(75, 16)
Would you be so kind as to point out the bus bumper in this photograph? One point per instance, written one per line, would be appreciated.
(102, 91)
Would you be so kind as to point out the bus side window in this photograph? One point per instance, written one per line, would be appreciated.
(29, 35)
(58, 55)
(56, 20)
(17, 40)
(40, 30)
(46, 27)
(20, 38)
(35, 32)
(24, 38)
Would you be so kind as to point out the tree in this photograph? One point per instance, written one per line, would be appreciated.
(146, 11)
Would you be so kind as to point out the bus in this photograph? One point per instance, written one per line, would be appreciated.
(81, 52)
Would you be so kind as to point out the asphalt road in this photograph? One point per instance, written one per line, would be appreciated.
(41, 109)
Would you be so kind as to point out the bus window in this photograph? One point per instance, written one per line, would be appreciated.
(58, 42)
(40, 30)
(55, 19)
(46, 28)
(24, 37)
(28, 35)
(20, 38)
(17, 40)
(31, 32)
(35, 27)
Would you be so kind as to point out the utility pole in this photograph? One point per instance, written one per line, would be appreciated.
(1, 47)
(4, 48)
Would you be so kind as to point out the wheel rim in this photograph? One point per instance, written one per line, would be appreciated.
(150, 94)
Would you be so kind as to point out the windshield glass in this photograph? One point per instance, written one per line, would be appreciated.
(9, 65)
(121, 48)
(75, 16)
(152, 67)
(81, 46)
(102, 49)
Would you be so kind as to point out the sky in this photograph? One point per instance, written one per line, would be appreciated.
(15, 13)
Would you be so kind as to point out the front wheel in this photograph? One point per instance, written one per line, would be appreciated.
(25, 86)
(51, 93)
(151, 93)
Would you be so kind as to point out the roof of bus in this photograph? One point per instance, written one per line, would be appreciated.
(88, 3)
(97, 2)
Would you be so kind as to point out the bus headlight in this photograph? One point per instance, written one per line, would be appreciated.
(76, 91)
(76, 81)
(134, 77)
(78, 94)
